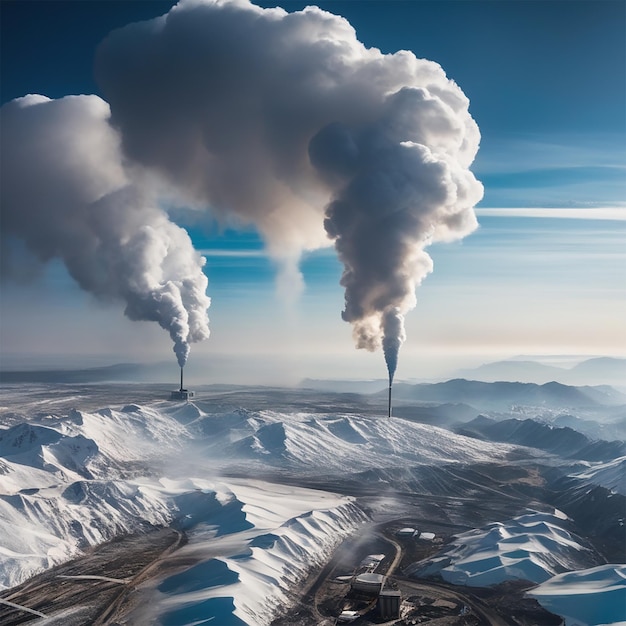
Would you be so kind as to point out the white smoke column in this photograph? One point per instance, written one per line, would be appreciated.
(66, 193)
(404, 183)
(281, 119)
(393, 337)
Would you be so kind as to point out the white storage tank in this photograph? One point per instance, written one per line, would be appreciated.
(368, 583)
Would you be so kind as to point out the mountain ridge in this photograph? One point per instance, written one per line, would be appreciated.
(563, 441)
(504, 394)
(593, 371)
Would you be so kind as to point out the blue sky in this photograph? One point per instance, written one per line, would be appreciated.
(547, 86)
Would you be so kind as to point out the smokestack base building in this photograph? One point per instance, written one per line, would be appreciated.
(182, 393)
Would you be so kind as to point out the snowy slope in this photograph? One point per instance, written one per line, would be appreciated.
(311, 443)
(591, 597)
(531, 547)
(611, 474)
(267, 538)
(76, 479)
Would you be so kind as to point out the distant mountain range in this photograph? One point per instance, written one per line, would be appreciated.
(506, 395)
(565, 442)
(121, 372)
(460, 396)
(596, 371)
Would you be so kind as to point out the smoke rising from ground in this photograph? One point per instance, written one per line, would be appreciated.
(286, 122)
(67, 195)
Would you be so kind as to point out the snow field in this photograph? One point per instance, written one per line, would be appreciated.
(79, 479)
(610, 474)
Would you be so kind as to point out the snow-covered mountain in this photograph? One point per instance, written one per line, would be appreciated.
(248, 549)
(240, 482)
(532, 547)
(328, 443)
(610, 474)
(76, 479)
(563, 441)
(536, 547)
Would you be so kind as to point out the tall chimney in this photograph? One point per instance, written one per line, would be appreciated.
(181, 379)
(389, 414)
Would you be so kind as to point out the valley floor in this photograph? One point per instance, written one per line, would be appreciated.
(94, 588)
(99, 588)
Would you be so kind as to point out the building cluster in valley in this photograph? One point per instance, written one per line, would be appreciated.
(367, 592)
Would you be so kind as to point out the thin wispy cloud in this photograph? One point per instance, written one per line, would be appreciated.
(586, 169)
(233, 253)
(606, 213)
(551, 152)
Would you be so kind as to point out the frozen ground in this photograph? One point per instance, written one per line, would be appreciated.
(238, 482)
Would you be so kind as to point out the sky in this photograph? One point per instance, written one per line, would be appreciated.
(544, 274)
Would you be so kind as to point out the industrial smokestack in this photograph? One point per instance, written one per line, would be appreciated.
(393, 338)
(182, 393)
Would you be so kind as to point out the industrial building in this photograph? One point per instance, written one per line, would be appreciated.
(388, 605)
(182, 393)
(367, 593)
(407, 532)
(371, 562)
(368, 583)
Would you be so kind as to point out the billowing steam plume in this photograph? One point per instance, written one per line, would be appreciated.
(404, 184)
(273, 117)
(287, 122)
(393, 338)
(67, 195)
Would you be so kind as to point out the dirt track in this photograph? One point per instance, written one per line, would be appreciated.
(90, 590)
